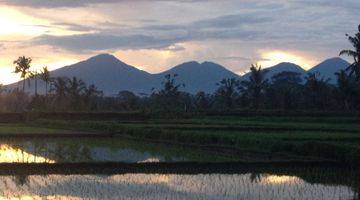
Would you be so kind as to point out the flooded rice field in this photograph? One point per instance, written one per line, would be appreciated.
(163, 186)
(73, 150)
(162, 173)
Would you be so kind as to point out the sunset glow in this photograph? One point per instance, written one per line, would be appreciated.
(272, 58)
(10, 154)
(158, 39)
(14, 22)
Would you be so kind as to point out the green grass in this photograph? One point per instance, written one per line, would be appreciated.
(25, 129)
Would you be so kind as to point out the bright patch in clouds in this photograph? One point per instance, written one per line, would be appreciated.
(271, 58)
(12, 21)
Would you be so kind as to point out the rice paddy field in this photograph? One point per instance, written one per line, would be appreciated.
(163, 186)
(244, 138)
(209, 157)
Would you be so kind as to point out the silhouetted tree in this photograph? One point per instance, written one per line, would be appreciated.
(128, 100)
(22, 66)
(91, 95)
(317, 92)
(254, 88)
(59, 87)
(16, 101)
(34, 75)
(285, 90)
(76, 89)
(354, 68)
(226, 94)
(168, 98)
(346, 89)
(45, 76)
(202, 101)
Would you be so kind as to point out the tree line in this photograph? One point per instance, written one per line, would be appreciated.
(283, 91)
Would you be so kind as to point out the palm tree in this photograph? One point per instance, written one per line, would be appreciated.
(22, 65)
(34, 75)
(202, 101)
(255, 87)
(354, 68)
(59, 87)
(169, 96)
(317, 91)
(346, 88)
(76, 87)
(92, 91)
(45, 76)
(226, 92)
(285, 90)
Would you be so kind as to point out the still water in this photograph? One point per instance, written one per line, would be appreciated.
(272, 184)
(74, 150)
(161, 186)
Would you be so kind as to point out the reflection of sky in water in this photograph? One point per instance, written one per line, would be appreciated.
(126, 155)
(157, 186)
(9, 154)
(29, 152)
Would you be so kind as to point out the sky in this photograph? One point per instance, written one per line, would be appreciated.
(157, 35)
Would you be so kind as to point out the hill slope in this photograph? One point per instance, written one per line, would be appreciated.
(281, 67)
(198, 77)
(111, 76)
(328, 68)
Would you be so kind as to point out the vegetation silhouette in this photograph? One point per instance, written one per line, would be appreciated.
(354, 68)
(22, 66)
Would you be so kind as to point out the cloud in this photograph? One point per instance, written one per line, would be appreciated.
(158, 36)
(241, 58)
(105, 26)
(174, 48)
(55, 3)
(70, 3)
(75, 27)
(97, 41)
(231, 21)
(345, 4)
(100, 41)
(224, 21)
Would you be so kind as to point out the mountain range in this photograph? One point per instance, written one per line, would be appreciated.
(111, 75)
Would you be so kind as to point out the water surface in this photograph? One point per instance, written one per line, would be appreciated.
(161, 186)
(107, 149)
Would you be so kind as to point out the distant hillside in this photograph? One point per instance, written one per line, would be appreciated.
(281, 67)
(111, 75)
(198, 77)
(329, 67)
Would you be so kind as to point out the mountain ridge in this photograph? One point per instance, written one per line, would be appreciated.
(111, 75)
(328, 67)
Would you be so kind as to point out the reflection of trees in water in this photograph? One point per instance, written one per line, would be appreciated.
(172, 186)
(67, 152)
(255, 177)
(21, 179)
(58, 151)
(324, 175)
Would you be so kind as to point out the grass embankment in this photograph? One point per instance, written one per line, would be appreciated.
(319, 138)
(6, 129)
(23, 130)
